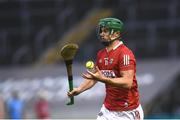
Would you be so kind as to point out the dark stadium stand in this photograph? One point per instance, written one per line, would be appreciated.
(150, 25)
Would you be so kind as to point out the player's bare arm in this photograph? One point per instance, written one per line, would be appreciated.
(124, 81)
(87, 84)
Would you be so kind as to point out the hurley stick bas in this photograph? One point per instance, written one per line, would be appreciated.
(68, 52)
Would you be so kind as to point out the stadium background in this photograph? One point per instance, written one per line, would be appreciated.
(33, 31)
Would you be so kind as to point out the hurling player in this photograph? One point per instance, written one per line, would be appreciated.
(116, 68)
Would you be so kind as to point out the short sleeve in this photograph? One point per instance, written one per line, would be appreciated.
(126, 61)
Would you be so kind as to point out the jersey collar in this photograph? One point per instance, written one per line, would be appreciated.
(120, 43)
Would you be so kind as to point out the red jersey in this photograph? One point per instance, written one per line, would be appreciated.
(111, 63)
(42, 109)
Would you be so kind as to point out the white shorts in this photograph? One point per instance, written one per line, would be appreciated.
(135, 114)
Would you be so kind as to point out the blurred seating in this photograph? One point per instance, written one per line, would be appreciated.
(148, 23)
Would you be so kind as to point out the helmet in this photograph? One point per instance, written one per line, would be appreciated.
(112, 24)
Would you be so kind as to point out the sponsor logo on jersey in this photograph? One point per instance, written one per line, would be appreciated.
(108, 73)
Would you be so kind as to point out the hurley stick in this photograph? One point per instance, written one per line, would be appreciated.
(68, 52)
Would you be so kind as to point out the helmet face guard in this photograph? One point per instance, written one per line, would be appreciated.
(113, 25)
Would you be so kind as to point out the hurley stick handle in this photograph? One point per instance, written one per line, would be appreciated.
(70, 79)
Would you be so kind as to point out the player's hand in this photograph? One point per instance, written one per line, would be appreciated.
(98, 76)
(74, 92)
